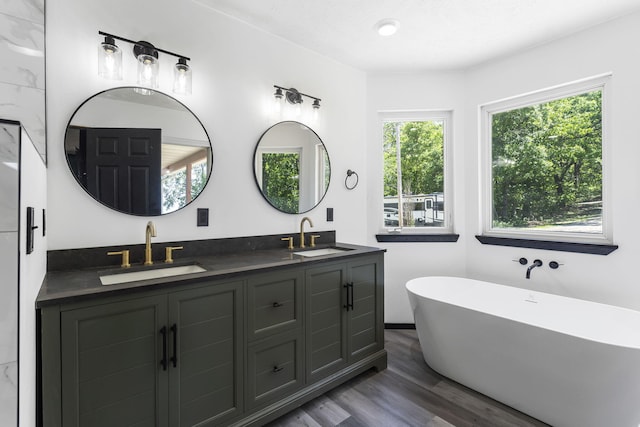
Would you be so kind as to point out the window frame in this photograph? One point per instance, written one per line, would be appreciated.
(446, 116)
(600, 82)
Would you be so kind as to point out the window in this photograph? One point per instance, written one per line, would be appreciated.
(280, 181)
(544, 174)
(183, 179)
(415, 152)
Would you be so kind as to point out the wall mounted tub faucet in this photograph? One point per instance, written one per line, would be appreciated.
(536, 263)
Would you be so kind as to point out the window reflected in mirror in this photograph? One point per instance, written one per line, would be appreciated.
(292, 168)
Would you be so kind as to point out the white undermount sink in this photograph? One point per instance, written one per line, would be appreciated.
(320, 252)
(134, 276)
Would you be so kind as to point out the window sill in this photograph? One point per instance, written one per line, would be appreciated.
(583, 248)
(396, 237)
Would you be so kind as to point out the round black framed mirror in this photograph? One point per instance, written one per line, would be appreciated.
(291, 167)
(138, 151)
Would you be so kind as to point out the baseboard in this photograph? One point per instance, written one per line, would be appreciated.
(399, 325)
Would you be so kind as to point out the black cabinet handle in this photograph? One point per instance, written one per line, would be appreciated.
(277, 369)
(349, 304)
(351, 295)
(174, 358)
(163, 362)
(277, 304)
(346, 286)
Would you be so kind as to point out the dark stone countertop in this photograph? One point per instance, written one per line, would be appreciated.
(79, 284)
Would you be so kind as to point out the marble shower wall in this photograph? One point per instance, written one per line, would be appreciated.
(22, 75)
(9, 250)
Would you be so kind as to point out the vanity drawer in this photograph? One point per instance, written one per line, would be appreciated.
(274, 368)
(274, 304)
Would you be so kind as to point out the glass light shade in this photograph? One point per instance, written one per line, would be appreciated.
(277, 101)
(109, 61)
(182, 78)
(148, 71)
(277, 105)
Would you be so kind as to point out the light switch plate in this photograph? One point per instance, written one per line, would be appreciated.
(203, 217)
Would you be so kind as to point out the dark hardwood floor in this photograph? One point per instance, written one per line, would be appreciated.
(407, 393)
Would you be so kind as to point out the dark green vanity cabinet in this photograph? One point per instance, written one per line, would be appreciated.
(344, 315)
(170, 359)
(274, 336)
(238, 350)
(109, 358)
(205, 383)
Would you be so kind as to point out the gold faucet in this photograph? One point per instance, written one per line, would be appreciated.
(149, 233)
(289, 240)
(168, 253)
(125, 257)
(306, 218)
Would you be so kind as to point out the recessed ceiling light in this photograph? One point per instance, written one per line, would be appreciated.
(387, 27)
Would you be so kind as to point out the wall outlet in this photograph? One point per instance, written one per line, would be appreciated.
(329, 214)
(203, 217)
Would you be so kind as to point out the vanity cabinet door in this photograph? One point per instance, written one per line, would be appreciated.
(326, 326)
(205, 354)
(110, 360)
(344, 320)
(365, 321)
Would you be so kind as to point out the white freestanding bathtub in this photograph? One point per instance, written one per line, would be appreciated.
(564, 361)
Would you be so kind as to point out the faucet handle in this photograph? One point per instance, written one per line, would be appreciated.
(313, 240)
(290, 240)
(168, 253)
(125, 257)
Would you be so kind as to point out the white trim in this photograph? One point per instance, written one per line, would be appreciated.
(446, 116)
(600, 82)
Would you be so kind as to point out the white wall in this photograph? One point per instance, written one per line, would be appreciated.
(234, 69)
(33, 267)
(404, 261)
(608, 279)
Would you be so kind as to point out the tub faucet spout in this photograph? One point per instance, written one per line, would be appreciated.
(536, 263)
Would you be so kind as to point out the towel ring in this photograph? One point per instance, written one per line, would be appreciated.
(346, 183)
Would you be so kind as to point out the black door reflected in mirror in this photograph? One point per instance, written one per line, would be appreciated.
(138, 151)
(291, 167)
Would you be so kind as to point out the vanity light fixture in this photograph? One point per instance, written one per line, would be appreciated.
(109, 59)
(277, 100)
(316, 109)
(182, 77)
(110, 63)
(294, 97)
(148, 67)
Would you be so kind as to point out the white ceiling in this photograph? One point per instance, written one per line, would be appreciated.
(433, 34)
